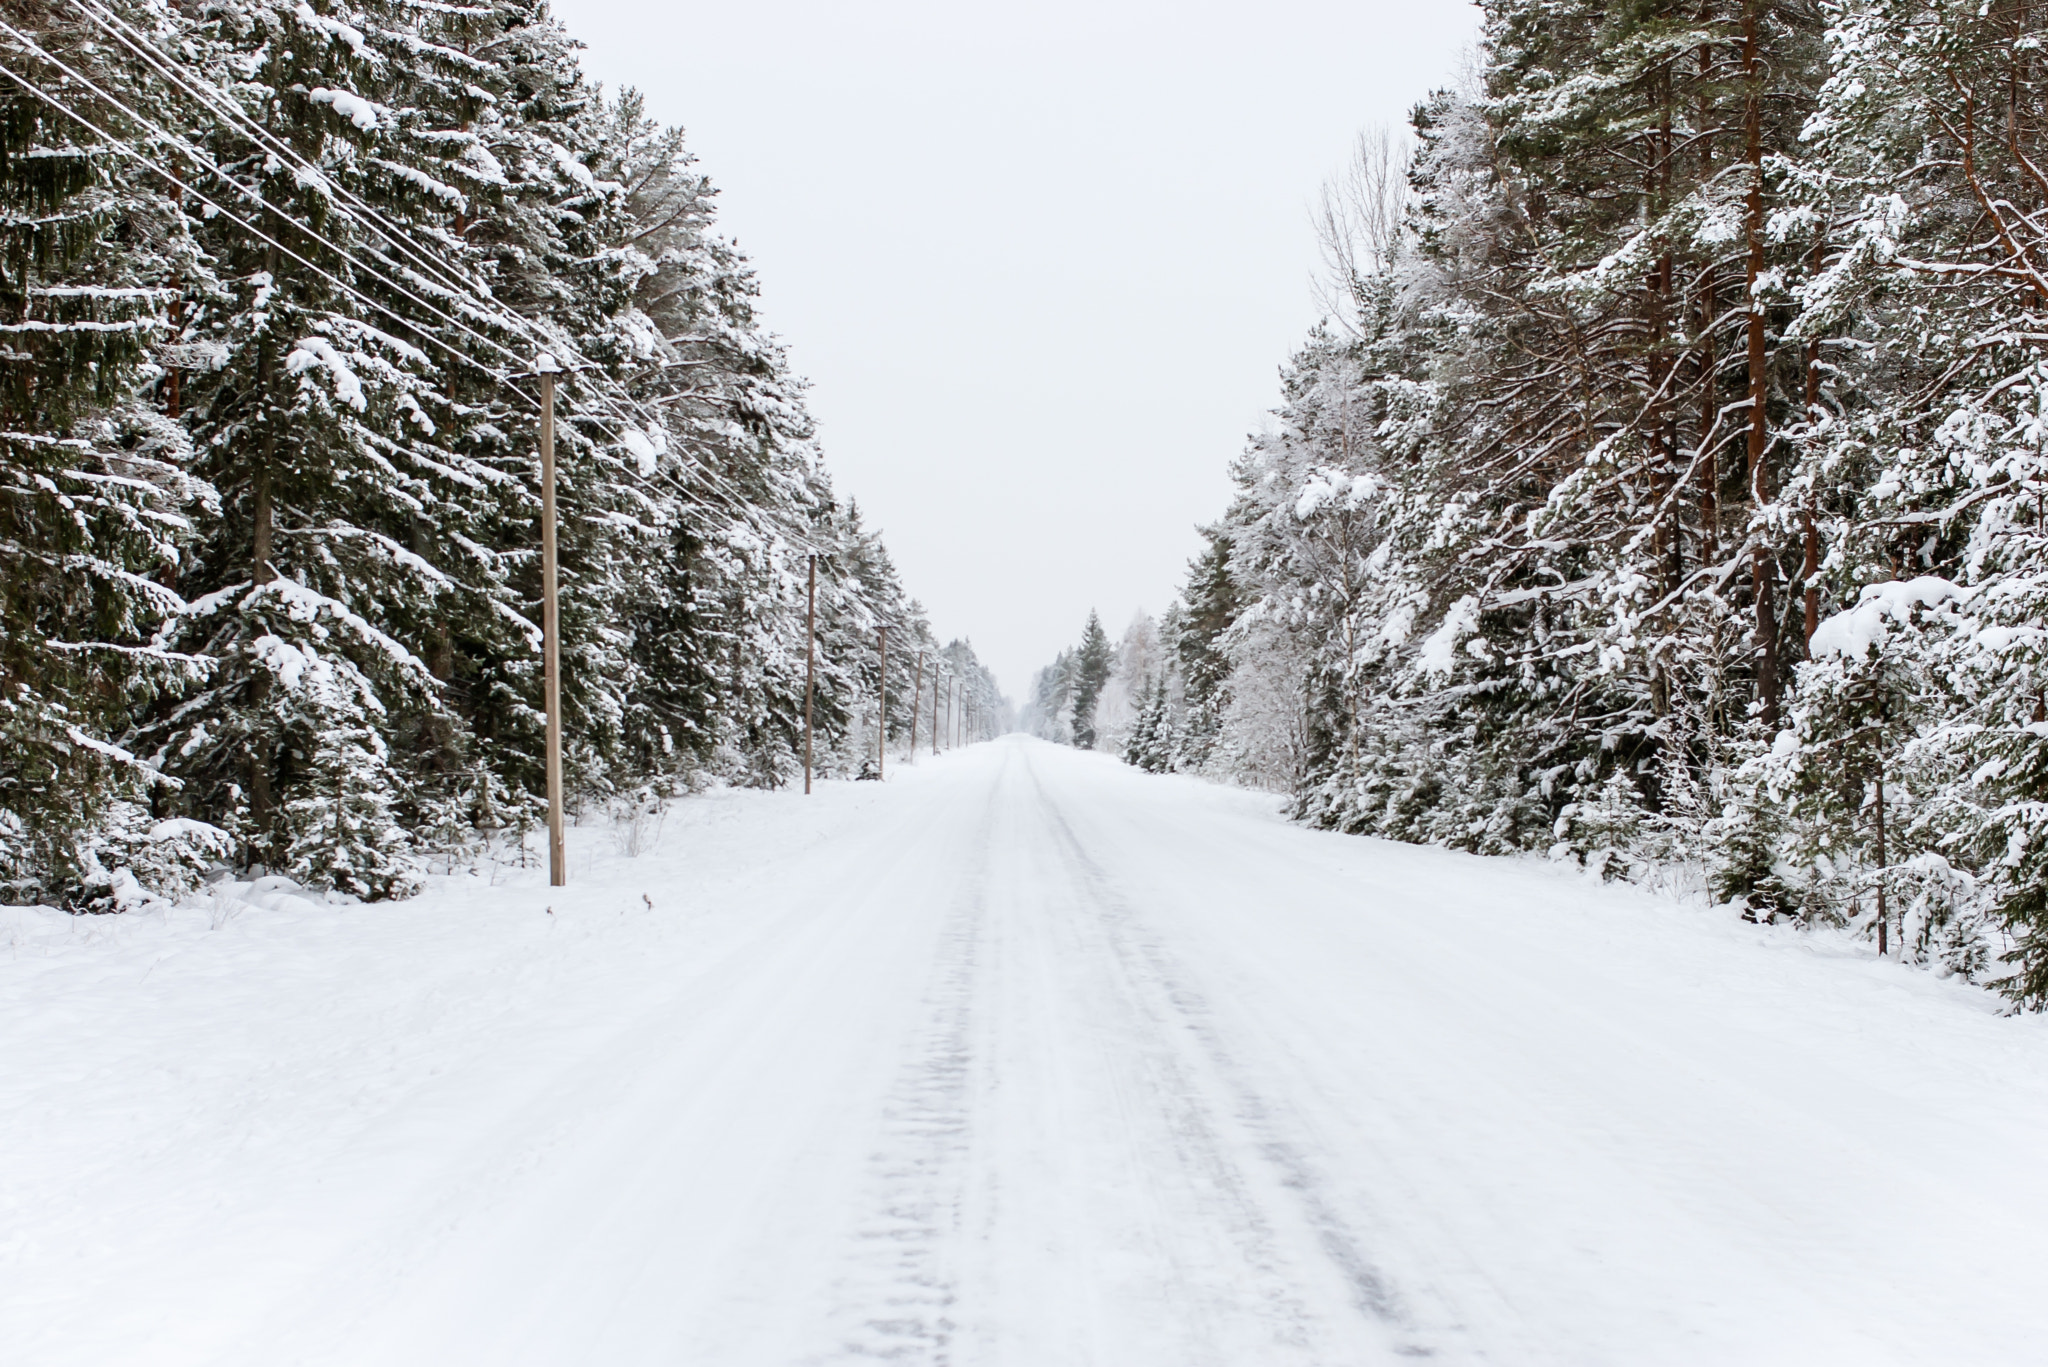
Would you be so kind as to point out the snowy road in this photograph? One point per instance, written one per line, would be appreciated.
(1022, 1058)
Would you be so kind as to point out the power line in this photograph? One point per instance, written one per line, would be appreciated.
(533, 331)
(738, 505)
(209, 96)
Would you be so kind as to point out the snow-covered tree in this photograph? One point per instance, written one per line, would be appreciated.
(305, 255)
(1704, 328)
(1132, 671)
(1091, 666)
(98, 502)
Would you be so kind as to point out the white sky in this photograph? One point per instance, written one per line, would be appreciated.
(1040, 264)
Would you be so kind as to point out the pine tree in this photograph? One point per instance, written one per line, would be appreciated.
(331, 426)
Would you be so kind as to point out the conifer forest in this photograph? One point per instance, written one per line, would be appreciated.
(1665, 485)
(500, 863)
(275, 278)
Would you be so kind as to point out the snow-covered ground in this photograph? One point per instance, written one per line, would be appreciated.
(1023, 1057)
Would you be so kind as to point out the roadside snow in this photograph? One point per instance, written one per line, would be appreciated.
(1021, 1057)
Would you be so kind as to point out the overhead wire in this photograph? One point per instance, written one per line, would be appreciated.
(129, 149)
(223, 210)
(98, 12)
(210, 97)
(739, 504)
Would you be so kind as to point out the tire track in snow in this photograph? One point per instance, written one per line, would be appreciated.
(905, 1294)
(558, 1130)
(1146, 960)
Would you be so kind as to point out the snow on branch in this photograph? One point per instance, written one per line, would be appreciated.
(1861, 629)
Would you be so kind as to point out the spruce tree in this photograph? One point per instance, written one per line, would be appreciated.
(98, 503)
(328, 424)
(1090, 673)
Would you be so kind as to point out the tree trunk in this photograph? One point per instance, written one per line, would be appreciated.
(1762, 571)
(261, 806)
(1661, 443)
(1810, 570)
(1710, 463)
(1883, 906)
(260, 512)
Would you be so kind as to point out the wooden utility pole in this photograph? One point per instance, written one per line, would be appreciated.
(551, 623)
(916, 699)
(882, 708)
(935, 707)
(1884, 913)
(810, 666)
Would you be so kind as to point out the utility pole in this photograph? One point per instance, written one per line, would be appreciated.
(935, 708)
(916, 699)
(810, 666)
(551, 622)
(1884, 915)
(882, 708)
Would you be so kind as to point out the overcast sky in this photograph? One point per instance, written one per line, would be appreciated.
(1040, 263)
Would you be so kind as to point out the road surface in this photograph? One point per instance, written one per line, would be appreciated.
(1020, 1058)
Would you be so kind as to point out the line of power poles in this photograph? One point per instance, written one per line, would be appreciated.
(546, 370)
(957, 721)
